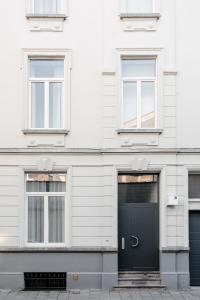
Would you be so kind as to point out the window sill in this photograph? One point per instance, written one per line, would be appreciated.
(45, 131)
(140, 16)
(45, 22)
(140, 22)
(46, 16)
(158, 131)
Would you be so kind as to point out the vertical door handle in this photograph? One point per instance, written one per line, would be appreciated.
(123, 243)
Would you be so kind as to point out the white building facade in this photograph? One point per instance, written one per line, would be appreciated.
(99, 148)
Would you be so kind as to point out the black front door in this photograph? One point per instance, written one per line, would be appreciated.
(138, 238)
(194, 229)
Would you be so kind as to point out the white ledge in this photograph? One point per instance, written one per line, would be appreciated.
(159, 131)
(45, 131)
(46, 16)
(140, 16)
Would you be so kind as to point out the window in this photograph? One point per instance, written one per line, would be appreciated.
(138, 93)
(45, 208)
(46, 93)
(194, 186)
(46, 7)
(138, 188)
(139, 6)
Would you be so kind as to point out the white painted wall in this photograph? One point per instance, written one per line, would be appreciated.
(94, 33)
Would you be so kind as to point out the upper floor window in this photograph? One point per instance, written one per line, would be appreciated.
(139, 6)
(138, 93)
(45, 209)
(46, 93)
(46, 7)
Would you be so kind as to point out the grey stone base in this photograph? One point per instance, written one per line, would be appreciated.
(174, 268)
(84, 270)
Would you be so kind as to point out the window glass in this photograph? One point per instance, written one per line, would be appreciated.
(56, 208)
(46, 6)
(130, 104)
(139, 6)
(37, 105)
(38, 182)
(55, 104)
(148, 104)
(138, 188)
(138, 68)
(35, 219)
(46, 68)
(194, 186)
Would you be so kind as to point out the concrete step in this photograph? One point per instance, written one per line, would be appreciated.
(140, 275)
(138, 286)
(139, 280)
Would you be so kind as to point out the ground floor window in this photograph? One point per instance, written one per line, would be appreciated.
(45, 209)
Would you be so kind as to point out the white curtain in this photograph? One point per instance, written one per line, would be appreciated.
(56, 219)
(46, 6)
(37, 105)
(35, 219)
(55, 105)
(46, 183)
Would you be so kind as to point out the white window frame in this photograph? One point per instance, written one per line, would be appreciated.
(64, 54)
(46, 195)
(60, 4)
(155, 7)
(139, 81)
(47, 81)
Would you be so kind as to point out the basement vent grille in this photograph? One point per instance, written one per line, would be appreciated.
(45, 281)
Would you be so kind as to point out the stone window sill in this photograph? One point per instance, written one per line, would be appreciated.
(139, 22)
(46, 16)
(140, 16)
(45, 131)
(157, 131)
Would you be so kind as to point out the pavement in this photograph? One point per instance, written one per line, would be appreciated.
(123, 294)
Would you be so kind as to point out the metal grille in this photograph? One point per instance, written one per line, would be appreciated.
(45, 281)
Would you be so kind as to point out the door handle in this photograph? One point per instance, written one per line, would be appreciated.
(123, 243)
(137, 241)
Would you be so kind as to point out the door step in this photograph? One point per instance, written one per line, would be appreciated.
(139, 280)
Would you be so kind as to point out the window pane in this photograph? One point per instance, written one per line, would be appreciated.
(194, 186)
(138, 68)
(39, 182)
(37, 105)
(138, 188)
(35, 219)
(130, 105)
(55, 105)
(148, 105)
(139, 6)
(56, 220)
(46, 68)
(46, 6)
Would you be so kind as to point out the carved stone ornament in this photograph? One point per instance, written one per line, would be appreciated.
(139, 164)
(45, 164)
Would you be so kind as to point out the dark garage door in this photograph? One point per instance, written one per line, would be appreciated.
(194, 228)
